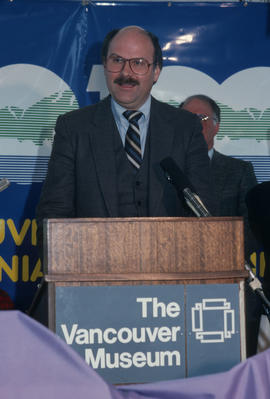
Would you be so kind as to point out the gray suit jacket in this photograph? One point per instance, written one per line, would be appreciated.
(231, 179)
(81, 178)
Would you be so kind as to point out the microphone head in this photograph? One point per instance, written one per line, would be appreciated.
(184, 188)
(174, 174)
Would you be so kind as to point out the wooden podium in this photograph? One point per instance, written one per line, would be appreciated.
(143, 251)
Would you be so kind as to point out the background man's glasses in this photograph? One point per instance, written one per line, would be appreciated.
(204, 117)
(139, 66)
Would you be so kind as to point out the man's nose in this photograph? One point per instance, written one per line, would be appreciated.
(127, 70)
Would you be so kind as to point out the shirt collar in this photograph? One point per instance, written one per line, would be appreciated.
(118, 109)
(211, 153)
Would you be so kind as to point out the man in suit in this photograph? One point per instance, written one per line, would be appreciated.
(231, 180)
(90, 174)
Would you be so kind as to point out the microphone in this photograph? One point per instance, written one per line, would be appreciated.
(257, 288)
(4, 183)
(183, 187)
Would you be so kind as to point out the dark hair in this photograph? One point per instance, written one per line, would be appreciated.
(215, 108)
(158, 60)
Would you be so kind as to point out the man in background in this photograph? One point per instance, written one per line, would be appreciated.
(231, 180)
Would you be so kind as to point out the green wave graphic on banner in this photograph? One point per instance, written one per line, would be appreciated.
(37, 122)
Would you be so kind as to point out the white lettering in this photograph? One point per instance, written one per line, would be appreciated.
(159, 309)
(173, 309)
(174, 333)
(139, 359)
(150, 362)
(159, 305)
(152, 335)
(135, 332)
(124, 331)
(127, 360)
(95, 362)
(112, 360)
(164, 334)
(144, 302)
(169, 355)
(106, 335)
(99, 334)
(82, 336)
(69, 337)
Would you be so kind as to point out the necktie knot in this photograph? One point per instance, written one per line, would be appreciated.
(132, 116)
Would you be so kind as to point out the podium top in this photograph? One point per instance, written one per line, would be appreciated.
(115, 246)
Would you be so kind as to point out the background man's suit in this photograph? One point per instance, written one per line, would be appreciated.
(82, 180)
(232, 179)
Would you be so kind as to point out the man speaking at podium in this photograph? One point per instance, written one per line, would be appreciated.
(105, 160)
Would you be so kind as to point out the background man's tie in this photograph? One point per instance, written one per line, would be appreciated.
(133, 142)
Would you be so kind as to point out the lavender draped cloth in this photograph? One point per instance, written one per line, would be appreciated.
(35, 363)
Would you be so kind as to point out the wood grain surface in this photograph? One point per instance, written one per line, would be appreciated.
(141, 250)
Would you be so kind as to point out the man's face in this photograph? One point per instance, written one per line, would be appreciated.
(128, 89)
(210, 126)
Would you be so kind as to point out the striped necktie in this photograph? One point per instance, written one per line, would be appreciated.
(132, 141)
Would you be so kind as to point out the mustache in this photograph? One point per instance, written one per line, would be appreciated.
(121, 80)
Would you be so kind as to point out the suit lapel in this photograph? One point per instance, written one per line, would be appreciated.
(161, 140)
(102, 138)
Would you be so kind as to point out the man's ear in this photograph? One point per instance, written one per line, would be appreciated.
(156, 74)
(216, 128)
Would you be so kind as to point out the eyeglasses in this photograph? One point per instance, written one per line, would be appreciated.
(139, 66)
(204, 117)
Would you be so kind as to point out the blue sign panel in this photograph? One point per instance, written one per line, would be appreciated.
(127, 333)
(213, 328)
(140, 333)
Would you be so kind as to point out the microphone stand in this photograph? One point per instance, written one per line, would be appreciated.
(256, 287)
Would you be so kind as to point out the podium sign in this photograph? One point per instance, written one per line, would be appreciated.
(161, 303)
(150, 333)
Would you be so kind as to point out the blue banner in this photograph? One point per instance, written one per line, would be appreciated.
(50, 64)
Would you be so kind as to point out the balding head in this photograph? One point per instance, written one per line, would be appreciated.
(158, 60)
(130, 66)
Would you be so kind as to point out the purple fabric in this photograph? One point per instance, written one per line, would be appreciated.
(248, 380)
(35, 363)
